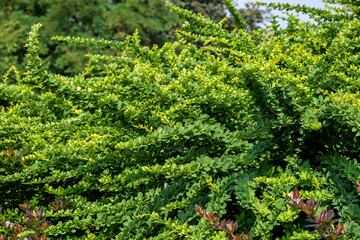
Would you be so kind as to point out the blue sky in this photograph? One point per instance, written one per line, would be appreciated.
(310, 3)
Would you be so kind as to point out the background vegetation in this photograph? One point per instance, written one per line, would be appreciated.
(113, 20)
(229, 120)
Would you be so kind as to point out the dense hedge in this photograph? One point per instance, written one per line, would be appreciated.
(232, 124)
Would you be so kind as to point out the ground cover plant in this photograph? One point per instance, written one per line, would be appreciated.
(134, 144)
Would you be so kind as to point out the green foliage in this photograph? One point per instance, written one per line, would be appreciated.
(239, 20)
(114, 20)
(10, 42)
(250, 17)
(99, 18)
(128, 146)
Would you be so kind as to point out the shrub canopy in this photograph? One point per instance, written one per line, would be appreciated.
(231, 123)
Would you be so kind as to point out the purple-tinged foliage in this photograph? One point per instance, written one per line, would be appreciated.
(237, 236)
(9, 152)
(59, 203)
(310, 207)
(12, 230)
(228, 226)
(26, 206)
(295, 198)
(335, 233)
(34, 220)
(324, 218)
(225, 225)
(323, 222)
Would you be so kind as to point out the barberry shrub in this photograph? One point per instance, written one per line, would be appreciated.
(230, 121)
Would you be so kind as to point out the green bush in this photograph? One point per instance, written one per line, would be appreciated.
(234, 123)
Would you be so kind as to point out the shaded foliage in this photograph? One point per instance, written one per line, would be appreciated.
(82, 18)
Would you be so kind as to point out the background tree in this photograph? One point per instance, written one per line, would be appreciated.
(113, 20)
(81, 18)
